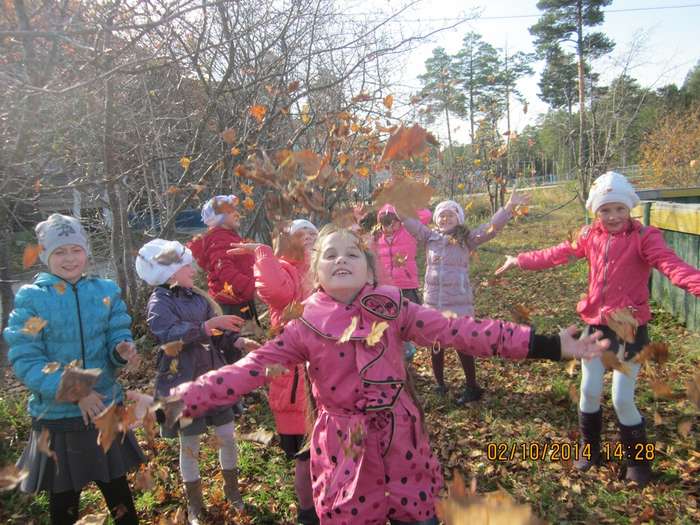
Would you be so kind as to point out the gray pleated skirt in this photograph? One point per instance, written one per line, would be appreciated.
(80, 459)
(199, 425)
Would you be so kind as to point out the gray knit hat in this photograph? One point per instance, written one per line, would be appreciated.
(59, 230)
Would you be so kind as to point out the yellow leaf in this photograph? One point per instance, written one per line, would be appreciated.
(228, 290)
(173, 366)
(216, 332)
(258, 112)
(305, 117)
(376, 332)
(448, 314)
(235, 151)
(342, 159)
(50, 368)
(477, 162)
(30, 255)
(571, 367)
(60, 287)
(693, 163)
(388, 101)
(460, 186)
(292, 311)
(400, 259)
(248, 203)
(347, 333)
(33, 325)
(185, 162)
(363, 171)
(173, 348)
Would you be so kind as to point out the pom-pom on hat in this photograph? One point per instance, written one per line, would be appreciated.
(215, 209)
(59, 230)
(298, 224)
(449, 205)
(611, 187)
(159, 259)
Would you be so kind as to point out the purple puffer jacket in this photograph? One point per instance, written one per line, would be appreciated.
(447, 285)
(178, 314)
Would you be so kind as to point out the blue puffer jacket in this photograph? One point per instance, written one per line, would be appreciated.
(84, 321)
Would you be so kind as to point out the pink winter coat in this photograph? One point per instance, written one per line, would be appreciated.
(447, 285)
(619, 265)
(396, 255)
(370, 455)
(278, 283)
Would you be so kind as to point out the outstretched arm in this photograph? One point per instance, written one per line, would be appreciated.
(664, 259)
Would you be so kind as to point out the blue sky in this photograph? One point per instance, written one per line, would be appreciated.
(669, 40)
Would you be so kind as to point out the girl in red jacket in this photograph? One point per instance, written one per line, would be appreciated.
(621, 253)
(281, 279)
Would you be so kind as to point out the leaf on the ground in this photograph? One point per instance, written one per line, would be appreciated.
(30, 255)
(610, 361)
(50, 368)
(150, 427)
(293, 310)
(43, 445)
(376, 332)
(143, 479)
(229, 136)
(76, 383)
(660, 389)
(623, 323)
(10, 477)
(658, 420)
(573, 394)
(406, 195)
(465, 508)
(407, 143)
(276, 370)
(261, 436)
(520, 314)
(173, 348)
(179, 517)
(96, 518)
(33, 325)
(693, 390)
(657, 352)
(347, 333)
(107, 424)
(684, 427)
(258, 112)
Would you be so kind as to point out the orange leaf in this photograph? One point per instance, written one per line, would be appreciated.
(33, 325)
(657, 352)
(44, 444)
(388, 101)
(247, 189)
(347, 333)
(30, 255)
(107, 423)
(106, 301)
(173, 348)
(224, 206)
(363, 171)
(60, 287)
(258, 112)
(406, 195)
(623, 323)
(228, 290)
(248, 203)
(229, 136)
(407, 143)
(235, 151)
(520, 314)
(143, 479)
(376, 332)
(610, 360)
(172, 190)
(292, 311)
(76, 383)
(661, 390)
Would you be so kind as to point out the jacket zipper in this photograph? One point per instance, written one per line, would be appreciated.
(80, 323)
(605, 266)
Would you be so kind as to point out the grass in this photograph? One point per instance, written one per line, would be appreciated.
(526, 402)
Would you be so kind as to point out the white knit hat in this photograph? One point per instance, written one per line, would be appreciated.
(159, 259)
(298, 224)
(59, 230)
(449, 205)
(611, 187)
(212, 214)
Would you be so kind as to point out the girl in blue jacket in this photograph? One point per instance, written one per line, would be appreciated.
(63, 317)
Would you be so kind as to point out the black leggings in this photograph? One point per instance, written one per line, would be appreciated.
(64, 506)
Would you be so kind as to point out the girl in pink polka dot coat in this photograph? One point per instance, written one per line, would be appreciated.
(371, 460)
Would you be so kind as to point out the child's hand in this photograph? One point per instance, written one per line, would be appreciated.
(511, 262)
(585, 348)
(91, 406)
(143, 403)
(127, 351)
(243, 248)
(517, 199)
(246, 345)
(225, 322)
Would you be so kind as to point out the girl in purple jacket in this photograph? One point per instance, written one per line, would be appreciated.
(195, 337)
(371, 459)
(447, 286)
(620, 253)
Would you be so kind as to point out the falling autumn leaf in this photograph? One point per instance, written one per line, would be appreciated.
(660, 389)
(173, 366)
(173, 348)
(235, 151)
(388, 101)
(50, 368)
(376, 332)
(292, 311)
(10, 477)
(347, 333)
(258, 112)
(407, 143)
(43, 444)
(460, 186)
(33, 325)
(449, 314)
(571, 367)
(363, 171)
(172, 190)
(276, 370)
(610, 361)
(400, 259)
(229, 136)
(657, 352)
(693, 390)
(406, 195)
(30, 255)
(143, 479)
(623, 323)
(107, 423)
(521, 210)
(658, 420)
(248, 203)
(185, 162)
(228, 290)
(305, 117)
(293, 86)
(247, 189)
(261, 436)
(225, 206)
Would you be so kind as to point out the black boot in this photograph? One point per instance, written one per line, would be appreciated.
(470, 394)
(307, 516)
(590, 424)
(634, 440)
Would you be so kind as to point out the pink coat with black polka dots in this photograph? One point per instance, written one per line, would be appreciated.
(370, 455)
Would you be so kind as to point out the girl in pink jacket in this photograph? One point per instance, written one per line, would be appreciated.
(621, 253)
(447, 285)
(371, 460)
(281, 278)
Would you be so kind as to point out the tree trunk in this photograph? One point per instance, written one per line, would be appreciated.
(449, 141)
(580, 165)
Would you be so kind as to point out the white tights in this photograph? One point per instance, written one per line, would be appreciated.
(623, 387)
(189, 451)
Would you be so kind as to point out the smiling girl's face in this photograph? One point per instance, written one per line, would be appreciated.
(341, 266)
(447, 220)
(68, 262)
(614, 216)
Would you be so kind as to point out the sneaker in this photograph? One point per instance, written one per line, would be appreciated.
(470, 394)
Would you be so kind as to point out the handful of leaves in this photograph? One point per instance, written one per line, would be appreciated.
(76, 383)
